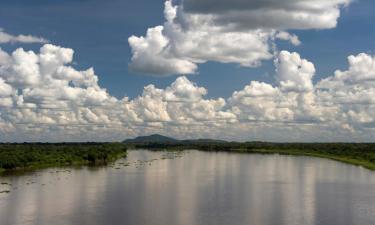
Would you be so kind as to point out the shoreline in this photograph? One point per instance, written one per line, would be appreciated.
(356, 162)
(73, 165)
(293, 152)
(30, 157)
(364, 159)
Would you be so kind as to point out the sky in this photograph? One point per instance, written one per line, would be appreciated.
(228, 69)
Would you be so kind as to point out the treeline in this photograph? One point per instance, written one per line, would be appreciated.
(32, 155)
(214, 146)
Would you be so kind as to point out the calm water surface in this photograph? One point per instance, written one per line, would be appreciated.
(193, 188)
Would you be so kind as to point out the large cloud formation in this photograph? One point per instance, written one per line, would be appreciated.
(226, 31)
(43, 98)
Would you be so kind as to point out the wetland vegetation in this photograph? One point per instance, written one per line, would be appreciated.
(28, 156)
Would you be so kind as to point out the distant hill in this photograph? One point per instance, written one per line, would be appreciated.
(157, 138)
(203, 141)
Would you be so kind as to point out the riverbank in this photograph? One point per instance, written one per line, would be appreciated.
(360, 154)
(37, 155)
(26, 157)
(295, 152)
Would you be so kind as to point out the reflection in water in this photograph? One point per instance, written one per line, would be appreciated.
(197, 188)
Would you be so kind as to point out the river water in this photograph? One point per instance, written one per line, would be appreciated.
(193, 187)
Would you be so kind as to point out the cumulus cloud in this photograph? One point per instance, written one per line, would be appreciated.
(43, 92)
(361, 70)
(186, 40)
(342, 102)
(44, 98)
(150, 55)
(9, 38)
(294, 73)
(240, 32)
(352, 91)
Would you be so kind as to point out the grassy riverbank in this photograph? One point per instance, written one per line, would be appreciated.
(362, 154)
(350, 159)
(38, 155)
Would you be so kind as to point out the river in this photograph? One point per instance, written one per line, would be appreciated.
(193, 187)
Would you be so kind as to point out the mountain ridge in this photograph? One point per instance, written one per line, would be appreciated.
(157, 138)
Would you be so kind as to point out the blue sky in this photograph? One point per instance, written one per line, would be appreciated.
(97, 30)
(203, 76)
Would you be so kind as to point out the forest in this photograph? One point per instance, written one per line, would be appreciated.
(37, 155)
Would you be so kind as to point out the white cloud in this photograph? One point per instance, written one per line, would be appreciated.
(276, 14)
(282, 35)
(43, 98)
(343, 101)
(352, 91)
(151, 55)
(186, 40)
(23, 69)
(240, 32)
(361, 70)
(182, 90)
(9, 38)
(4, 57)
(42, 91)
(5, 89)
(294, 73)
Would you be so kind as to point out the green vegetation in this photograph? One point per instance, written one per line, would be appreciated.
(362, 154)
(37, 155)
